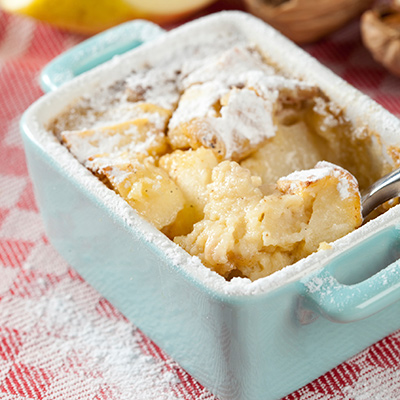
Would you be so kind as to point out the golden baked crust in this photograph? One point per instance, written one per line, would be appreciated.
(146, 187)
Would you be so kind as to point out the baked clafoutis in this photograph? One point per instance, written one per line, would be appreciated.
(241, 165)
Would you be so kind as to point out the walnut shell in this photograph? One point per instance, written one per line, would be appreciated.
(380, 32)
(307, 20)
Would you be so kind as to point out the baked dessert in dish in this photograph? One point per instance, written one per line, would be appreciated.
(242, 166)
(244, 233)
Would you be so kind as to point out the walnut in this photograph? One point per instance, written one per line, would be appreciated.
(380, 32)
(307, 20)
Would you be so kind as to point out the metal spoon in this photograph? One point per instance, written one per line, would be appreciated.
(382, 190)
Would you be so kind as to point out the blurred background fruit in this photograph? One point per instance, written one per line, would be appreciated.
(92, 16)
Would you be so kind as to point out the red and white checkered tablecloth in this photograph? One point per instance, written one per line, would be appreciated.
(59, 339)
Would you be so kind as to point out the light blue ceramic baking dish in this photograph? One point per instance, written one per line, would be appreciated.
(241, 340)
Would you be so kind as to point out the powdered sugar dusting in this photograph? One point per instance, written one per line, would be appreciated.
(344, 188)
(244, 88)
(230, 68)
(156, 81)
(330, 118)
(298, 178)
(145, 85)
(322, 285)
(84, 146)
(78, 339)
(347, 183)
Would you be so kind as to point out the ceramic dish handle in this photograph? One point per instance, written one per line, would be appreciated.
(347, 303)
(97, 50)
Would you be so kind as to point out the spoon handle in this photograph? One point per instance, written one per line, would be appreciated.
(382, 190)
